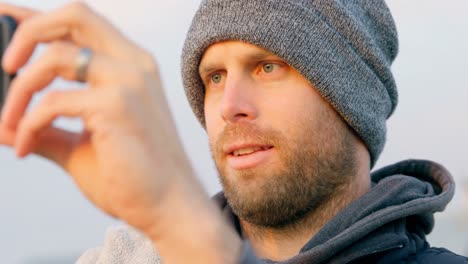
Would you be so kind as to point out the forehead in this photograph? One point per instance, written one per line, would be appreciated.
(232, 49)
(232, 44)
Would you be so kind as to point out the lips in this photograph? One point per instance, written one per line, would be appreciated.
(245, 149)
(245, 156)
(248, 150)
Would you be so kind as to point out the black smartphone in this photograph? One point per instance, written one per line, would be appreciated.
(7, 28)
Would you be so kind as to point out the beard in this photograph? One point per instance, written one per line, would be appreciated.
(312, 167)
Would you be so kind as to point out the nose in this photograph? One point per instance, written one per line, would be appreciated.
(239, 100)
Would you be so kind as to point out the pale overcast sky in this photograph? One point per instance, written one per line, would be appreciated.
(45, 219)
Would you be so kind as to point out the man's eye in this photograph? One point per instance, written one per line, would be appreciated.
(268, 67)
(216, 78)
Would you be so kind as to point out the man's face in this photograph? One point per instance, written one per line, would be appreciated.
(281, 150)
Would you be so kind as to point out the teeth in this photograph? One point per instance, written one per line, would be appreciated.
(246, 151)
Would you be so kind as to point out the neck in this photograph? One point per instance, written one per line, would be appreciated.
(282, 243)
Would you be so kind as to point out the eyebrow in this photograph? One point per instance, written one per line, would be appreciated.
(254, 56)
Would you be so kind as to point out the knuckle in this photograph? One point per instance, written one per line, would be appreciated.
(118, 100)
(23, 29)
(148, 61)
(78, 7)
(133, 78)
(51, 98)
(57, 58)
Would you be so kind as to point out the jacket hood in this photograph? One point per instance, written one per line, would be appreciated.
(397, 212)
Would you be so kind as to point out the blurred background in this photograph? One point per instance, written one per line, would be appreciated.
(44, 219)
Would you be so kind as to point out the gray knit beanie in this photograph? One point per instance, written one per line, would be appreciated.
(343, 47)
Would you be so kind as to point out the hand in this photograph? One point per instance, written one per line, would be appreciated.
(128, 160)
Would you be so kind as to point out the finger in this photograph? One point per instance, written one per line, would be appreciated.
(18, 13)
(57, 144)
(7, 136)
(75, 22)
(74, 103)
(59, 60)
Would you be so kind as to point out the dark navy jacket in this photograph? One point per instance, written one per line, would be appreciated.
(388, 224)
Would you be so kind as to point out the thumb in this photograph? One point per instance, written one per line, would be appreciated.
(54, 143)
(57, 144)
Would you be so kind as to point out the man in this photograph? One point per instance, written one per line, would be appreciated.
(294, 96)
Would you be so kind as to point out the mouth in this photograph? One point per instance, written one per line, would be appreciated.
(248, 156)
(248, 150)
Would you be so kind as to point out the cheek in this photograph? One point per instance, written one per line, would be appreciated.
(212, 120)
(287, 111)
